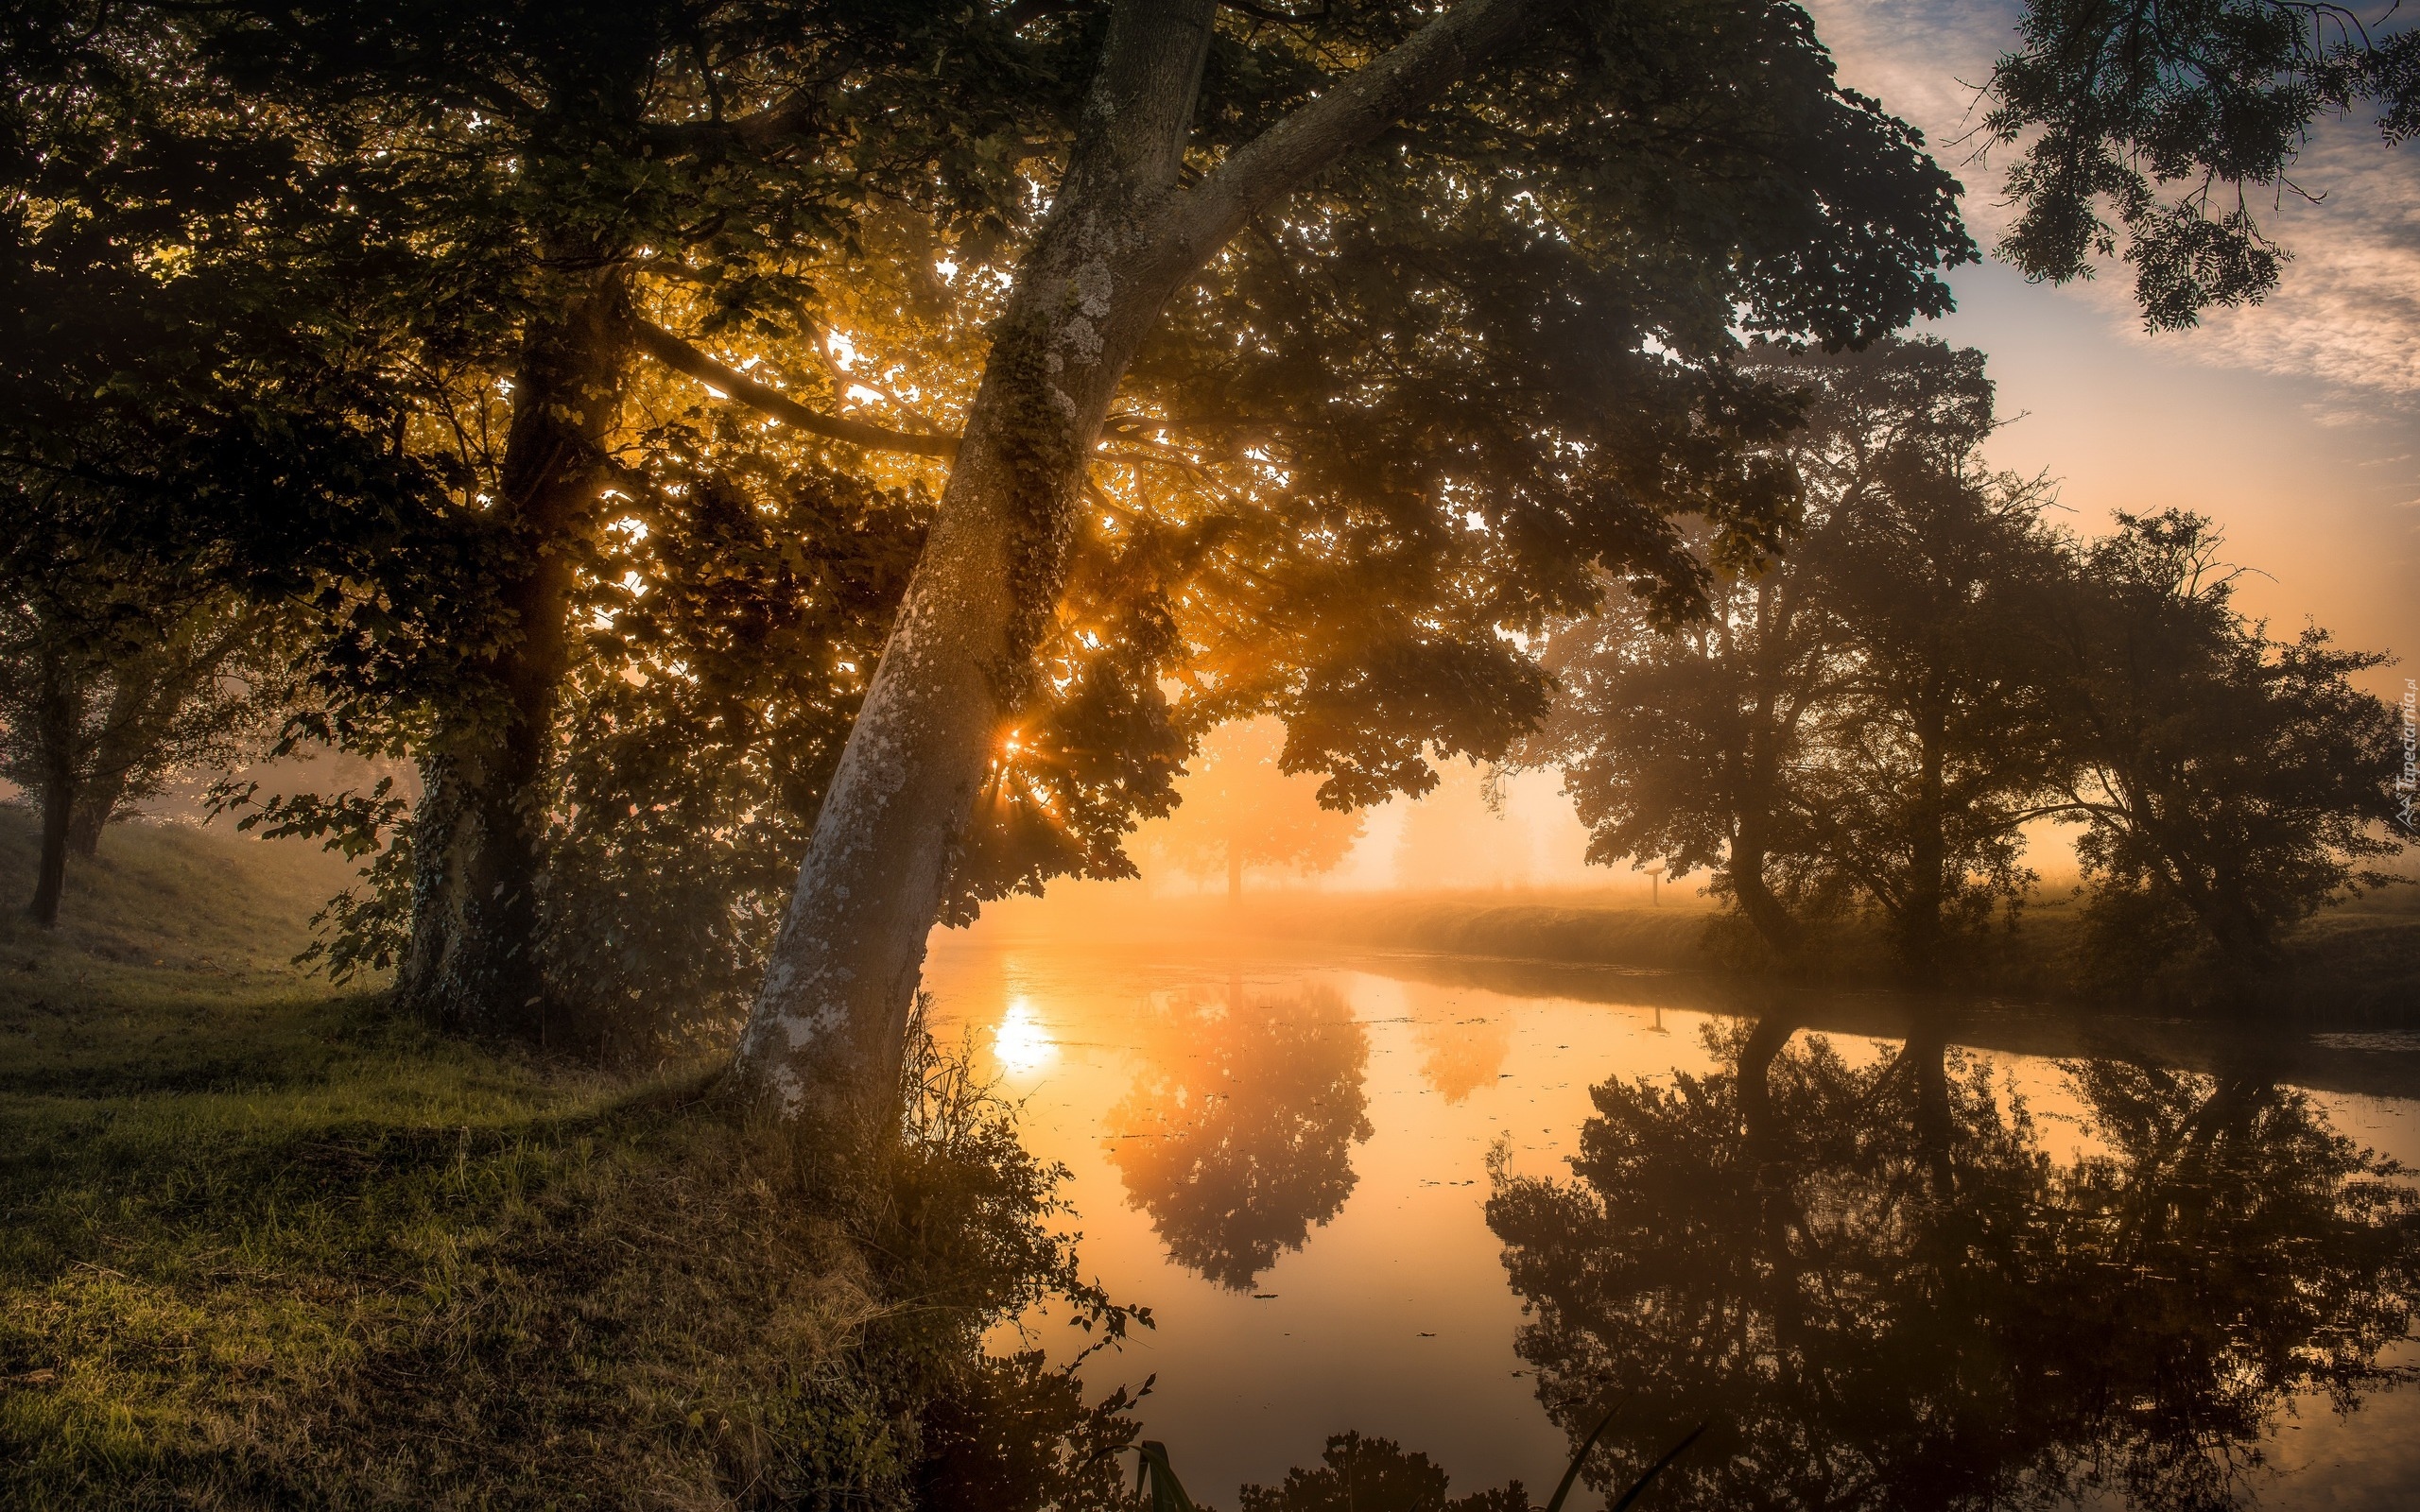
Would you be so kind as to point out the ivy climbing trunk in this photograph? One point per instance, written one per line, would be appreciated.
(822, 1047)
(472, 963)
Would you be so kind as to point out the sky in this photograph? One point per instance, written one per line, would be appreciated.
(2295, 424)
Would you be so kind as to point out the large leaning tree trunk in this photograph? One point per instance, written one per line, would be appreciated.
(823, 1046)
(471, 962)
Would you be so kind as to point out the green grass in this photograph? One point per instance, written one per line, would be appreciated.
(266, 1245)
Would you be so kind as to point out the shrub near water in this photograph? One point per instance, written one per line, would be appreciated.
(264, 1247)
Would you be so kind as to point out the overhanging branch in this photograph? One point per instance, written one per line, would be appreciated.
(686, 359)
(1361, 105)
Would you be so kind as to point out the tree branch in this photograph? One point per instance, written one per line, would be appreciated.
(683, 359)
(758, 128)
(1365, 103)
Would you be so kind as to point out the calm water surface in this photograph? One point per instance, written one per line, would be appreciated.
(2153, 1276)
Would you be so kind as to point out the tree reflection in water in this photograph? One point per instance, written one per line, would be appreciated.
(1460, 1055)
(1238, 1136)
(1887, 1294)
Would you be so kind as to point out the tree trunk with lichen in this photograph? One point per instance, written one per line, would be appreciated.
(832, 1017)
(473, 962)
(822, 1051)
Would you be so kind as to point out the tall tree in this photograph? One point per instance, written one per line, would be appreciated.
(2164, 115)
(1857, 718)
(2230, 785)
(1936, 746)
(1596, 144)
(1689, 745)
(582, 169)
(174, 447)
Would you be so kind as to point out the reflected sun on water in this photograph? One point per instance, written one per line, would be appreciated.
(1021, 1044)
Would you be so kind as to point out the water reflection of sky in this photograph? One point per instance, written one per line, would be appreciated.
(1286, 1160)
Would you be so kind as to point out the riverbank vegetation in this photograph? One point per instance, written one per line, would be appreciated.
(267, 1245)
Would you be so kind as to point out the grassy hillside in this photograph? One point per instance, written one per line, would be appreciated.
(263, 1245)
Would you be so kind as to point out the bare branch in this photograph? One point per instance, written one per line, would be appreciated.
(683, 359)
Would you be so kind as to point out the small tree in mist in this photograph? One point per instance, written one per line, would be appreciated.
(1458, 833)
(1239, 809)
(2229, 784)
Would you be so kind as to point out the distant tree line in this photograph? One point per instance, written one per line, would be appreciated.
(1867, 722)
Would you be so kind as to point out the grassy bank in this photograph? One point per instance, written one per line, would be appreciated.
(2360, 959)
(262, 1245)
(2357, 959)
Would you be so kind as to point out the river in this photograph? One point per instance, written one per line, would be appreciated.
(1287, 1156)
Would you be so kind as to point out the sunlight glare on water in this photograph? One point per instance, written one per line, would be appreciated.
(1021, 1045)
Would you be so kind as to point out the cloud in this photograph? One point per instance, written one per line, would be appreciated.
(2347, 309)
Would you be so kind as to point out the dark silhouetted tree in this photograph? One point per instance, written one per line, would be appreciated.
(1857, 718)
(2230, 783)
(1934, 748)
(1687, 744)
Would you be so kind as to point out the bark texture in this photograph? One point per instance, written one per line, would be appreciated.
(822, 1047)
(474, 962)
